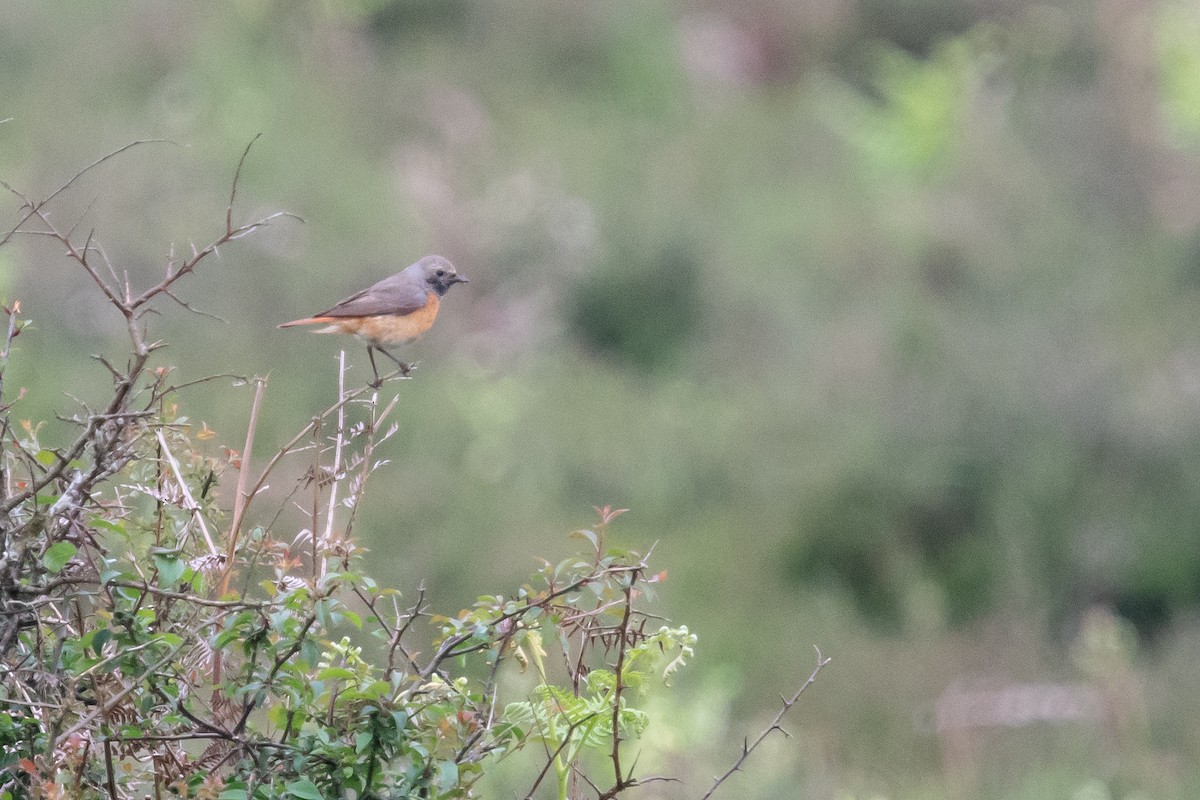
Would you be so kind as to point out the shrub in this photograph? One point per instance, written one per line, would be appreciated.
(154, 642)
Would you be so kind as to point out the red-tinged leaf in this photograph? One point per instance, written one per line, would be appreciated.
(608, 513)
(28, 766)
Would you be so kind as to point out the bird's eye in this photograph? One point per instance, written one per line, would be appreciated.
(440, 273)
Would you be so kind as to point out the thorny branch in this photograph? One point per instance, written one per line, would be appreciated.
(553, 756)
(750, 747)
(45, 509)
(622, 780)
(104, 433)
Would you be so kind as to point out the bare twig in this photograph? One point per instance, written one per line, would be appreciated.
(338, 444)
(130, 307)
(293, 444)
(35, 207)
(621, 781)
(395, 635)
(551, 757)
(175, 387)
(190, 502)
(368, 459)
(193, 599)
(237, 174)
(748, 748)
(239, 499)
(62, 494)
(11, 330)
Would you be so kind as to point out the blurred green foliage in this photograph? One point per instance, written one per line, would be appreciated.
(880, 314)
(642, 309)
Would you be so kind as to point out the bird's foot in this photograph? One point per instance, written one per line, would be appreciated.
(403, 370)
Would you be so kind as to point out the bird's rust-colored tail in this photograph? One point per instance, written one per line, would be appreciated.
(305, 321)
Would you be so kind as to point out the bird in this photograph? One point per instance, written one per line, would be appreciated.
(396, 310)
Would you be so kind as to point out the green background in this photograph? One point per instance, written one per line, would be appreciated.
(882, 317)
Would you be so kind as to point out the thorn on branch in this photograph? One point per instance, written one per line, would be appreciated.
(749, 747)
(237, 174)
(193, 309)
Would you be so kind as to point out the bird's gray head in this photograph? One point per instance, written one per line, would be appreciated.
(439, 273)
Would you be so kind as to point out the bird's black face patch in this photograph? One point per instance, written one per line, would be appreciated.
(442, 279)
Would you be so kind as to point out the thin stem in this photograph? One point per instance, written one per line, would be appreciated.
(239, 499)
(339, 443)
(189, 502)
(747, 749)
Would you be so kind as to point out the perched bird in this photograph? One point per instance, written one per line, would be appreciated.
(394, 311)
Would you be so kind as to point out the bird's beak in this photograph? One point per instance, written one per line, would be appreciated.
(460, 279)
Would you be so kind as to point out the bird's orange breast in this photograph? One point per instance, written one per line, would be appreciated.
(386, 329)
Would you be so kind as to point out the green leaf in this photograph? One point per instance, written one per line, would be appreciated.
(308, 652)
(519, 713)
(170, 570)
(57, 556)
(601, 680)
(634, 721)
(304, 789)
(446, 776)
(170, 639)
(376, 689)
(323, 609)
(225, 637)
(99, 639)
(112, 526)
(589, 535)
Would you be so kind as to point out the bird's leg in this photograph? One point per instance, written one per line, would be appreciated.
(375, 384)
(404, 368)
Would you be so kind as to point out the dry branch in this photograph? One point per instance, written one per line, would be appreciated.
(787, 703)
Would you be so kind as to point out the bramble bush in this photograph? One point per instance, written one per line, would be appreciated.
(157, 643)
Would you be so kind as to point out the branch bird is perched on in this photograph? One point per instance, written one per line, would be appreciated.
(394, 311)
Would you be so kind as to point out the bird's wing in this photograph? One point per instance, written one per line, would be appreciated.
(399, 294)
